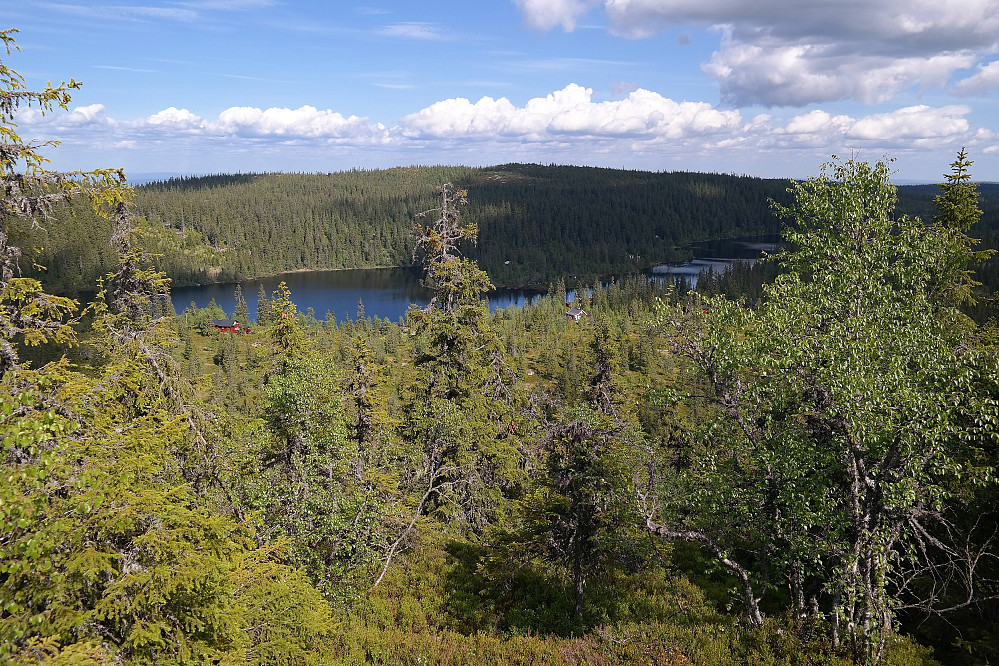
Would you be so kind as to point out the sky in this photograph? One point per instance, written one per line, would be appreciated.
(769, 88)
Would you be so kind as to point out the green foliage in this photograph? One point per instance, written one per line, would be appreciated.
(470, 459)
(242, 311)
(265, 309)
(535, 223)
(285, 334)
(957, 212)
(28, 314)
(453, 279)
(843, 404)
(303, 482)
(285, 620)
(102, 546)
(184, 254)
(442, 607)
(31, 317)
(957, 203)
(107, 553)
(319, 475)
(459, 414)
(580, 514)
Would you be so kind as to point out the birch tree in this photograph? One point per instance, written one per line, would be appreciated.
(843, 405)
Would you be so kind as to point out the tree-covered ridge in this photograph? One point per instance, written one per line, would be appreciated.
(536, 223)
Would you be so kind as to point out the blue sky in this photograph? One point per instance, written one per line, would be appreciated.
(767, 88)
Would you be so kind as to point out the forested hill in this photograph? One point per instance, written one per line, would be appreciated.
(536, 223)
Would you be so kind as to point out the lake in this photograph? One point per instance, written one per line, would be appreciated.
(385, 292)
(718, 256)
(388, 292)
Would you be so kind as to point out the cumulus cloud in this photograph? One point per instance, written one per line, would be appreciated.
(569, 112)
(645, 120)
(797, 75)
(817, 123)
(80, 117)
(84, 114)
(912, 123)
(306, 122)
(567, 123)
(176, 118)
(985, 79)
(787, 52)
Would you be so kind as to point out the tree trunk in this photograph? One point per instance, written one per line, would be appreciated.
(578, 582)
(751, 601)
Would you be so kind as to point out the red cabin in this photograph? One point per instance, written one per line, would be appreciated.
(227, 325)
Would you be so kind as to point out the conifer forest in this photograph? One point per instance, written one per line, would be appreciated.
(793, 463)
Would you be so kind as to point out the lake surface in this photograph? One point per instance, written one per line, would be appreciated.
(718, 256)
(385, 292)
(388, 292)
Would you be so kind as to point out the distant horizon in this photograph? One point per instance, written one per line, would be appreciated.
(145, 178)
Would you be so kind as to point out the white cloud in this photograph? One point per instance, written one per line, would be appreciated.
(177, 118)
(125, 12)
(802, 74)
(239, 122)
(817, 122)
(125, 69)
(912, 123)
(649, 118)
(414, 30)
(570, 111)
(80, 115)
(788, 52)
(460, 117)
(643, 128)
(184, 11)
(306, 122)
(546, 14)
(986, 78)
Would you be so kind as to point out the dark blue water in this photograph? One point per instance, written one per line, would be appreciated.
(385, 292)
(718, 256)
(388, 292)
